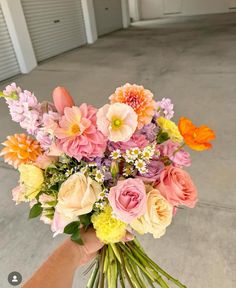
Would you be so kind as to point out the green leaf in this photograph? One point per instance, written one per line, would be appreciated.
(35, 211)
(162, 137)
(85, 220)
(76, 237)
(72, 227)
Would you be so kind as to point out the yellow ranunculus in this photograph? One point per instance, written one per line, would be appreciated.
(31, 179)
(108, 228)
(157, 217)
(170, 128)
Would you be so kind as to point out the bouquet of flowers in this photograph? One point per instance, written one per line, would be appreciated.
(118, 169)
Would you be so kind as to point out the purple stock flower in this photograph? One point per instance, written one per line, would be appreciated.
(25, 110)
(165, 108)
(149, 131)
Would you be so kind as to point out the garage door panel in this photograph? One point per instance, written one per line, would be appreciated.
(55, 26)
(8, 62)
(108, 14)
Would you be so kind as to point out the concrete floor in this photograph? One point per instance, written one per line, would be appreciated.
(190, 60)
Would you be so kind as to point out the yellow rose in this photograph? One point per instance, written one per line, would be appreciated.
(77, 195)
(170, 128)
(157, 217)
(31, 180)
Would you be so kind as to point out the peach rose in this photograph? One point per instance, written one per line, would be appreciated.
(77, 195)
(157, 217)
(177, 187)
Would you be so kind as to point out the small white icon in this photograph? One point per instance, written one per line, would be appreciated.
(14, 279)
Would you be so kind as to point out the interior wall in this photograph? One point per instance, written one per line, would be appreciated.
(156, 8)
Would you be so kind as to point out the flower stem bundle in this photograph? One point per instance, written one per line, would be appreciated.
(127, 265)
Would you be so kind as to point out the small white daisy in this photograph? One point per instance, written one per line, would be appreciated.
(99, 177)
(128, 171)
(140, 165)
(143, 171)
(129, 157)
(116, 154)
(135, 152)
(92, 164)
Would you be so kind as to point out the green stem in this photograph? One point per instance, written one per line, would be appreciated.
(121, 276)
(93, 276)
(125, 249)
(101, 264)
(159, 269)
(178, 149)
(124, 268)
(132, 274)
(146, 264)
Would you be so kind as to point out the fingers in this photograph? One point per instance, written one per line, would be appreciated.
(91, 242)
(128, 237)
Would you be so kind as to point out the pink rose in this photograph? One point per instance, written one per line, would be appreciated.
(177, 187)
(180, 158)
(128, 199)
(59, 222)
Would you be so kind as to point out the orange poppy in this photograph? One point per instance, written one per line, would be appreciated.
(197, 138)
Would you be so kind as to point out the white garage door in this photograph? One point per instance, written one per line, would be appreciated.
(55, 26)
(108, 15)
(8, 62)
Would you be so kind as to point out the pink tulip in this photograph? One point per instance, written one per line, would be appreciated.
(62, 99)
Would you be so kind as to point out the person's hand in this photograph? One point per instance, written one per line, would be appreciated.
(84, 253)
(92, 245)
(67, 257)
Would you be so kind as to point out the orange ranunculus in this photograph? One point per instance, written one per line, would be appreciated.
(197, 138)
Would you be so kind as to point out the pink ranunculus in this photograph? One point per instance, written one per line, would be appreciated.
(128, 199)
(180, 158)
(59, 222)
(177, 187)
(50, 122)
(137, 140)
(43, 161)
(78, 135)
(62, 99)
(54, 150)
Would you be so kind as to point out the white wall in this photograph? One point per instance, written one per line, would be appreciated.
(16, 24)
(134, 9)
(156, 8)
